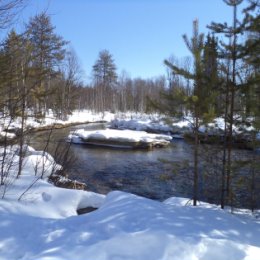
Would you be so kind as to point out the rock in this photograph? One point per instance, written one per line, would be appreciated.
(64, 182)
(85, 210)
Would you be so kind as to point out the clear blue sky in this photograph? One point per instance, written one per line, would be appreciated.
(139, 34)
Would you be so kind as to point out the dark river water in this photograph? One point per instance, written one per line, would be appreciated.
(156, 174)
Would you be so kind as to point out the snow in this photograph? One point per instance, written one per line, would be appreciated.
(82, 116)
(133, 121)
(119, 135)
(44, 224)
(156, 124)
(124, 227)
(140, 125)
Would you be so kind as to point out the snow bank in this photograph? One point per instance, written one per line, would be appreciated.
(140, 125)
(8, 127)
(131, 227)
(157, 125)
(216, 127)
(33, 189)
(76, 117)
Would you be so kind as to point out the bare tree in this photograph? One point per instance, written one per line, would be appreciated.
(9, 10)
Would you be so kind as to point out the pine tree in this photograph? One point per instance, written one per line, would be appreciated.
(231, 54)
(105, 78)
(211, 74)
(47, 52)
(13, 55)
(251, 52)
(198, 102)
(16, 53)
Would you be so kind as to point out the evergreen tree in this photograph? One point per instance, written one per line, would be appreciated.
(105, 79)
(11, 73)
(47, 52)
(211, 75)
(198, 102)
(230, 53)
(17, 56)
(251, 56)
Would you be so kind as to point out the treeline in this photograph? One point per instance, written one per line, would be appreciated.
(39, 72)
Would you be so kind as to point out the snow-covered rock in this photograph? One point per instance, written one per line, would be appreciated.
(119, 138)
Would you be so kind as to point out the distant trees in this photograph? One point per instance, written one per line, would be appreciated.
(38, 74)
(37, 67)
(105, 80)
(113, 92)
(67, 86)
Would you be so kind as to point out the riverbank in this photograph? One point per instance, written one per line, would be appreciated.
(154, 123)
(244, 136)
(10, 129)
(44, 223)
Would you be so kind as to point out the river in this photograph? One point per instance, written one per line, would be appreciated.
(156, 174)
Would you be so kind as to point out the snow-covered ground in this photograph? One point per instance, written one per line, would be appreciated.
(132, 121)
(157, 124)
(143, 124)
(44, 224)
(83, 116)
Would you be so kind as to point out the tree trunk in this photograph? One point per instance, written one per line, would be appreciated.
(195, 176)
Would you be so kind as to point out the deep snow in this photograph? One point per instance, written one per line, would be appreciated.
(44, 225)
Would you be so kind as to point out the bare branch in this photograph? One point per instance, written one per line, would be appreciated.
(9, 10)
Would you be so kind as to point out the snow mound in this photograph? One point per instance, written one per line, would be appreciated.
(117, 136)
(131, 227)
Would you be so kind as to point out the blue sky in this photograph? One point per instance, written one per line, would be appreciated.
(139, 34)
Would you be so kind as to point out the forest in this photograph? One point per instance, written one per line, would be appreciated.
(179, 177)
(40, 72)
